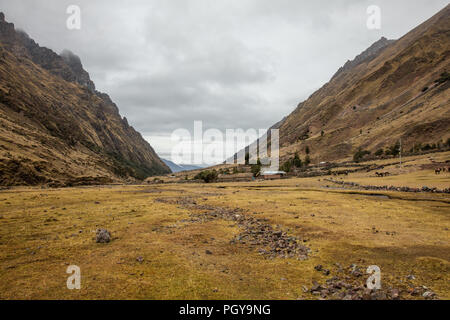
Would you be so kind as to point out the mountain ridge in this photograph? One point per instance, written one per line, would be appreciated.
(394, 90)
(55, 128)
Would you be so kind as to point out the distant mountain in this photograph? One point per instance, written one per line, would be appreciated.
(55, 128)
(394, 90)
(180, 167)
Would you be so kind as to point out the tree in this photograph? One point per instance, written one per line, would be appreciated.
(286, 167)
(297, 162)
(256, 168)
(307, 160)
(379, 152)
(417, 147)
(247, 158)
(395, 149)
(207, 176)
(443, 78)
(360, 154)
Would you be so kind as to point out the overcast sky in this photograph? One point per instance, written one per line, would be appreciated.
(230, 63)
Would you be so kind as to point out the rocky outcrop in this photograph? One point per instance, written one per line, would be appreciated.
(366, 56)
(80, 75)
(55, 128)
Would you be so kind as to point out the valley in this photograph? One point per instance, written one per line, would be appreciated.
(232, 240)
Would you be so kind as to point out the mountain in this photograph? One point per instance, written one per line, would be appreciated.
(55, 128)
(394, 90)
(180, 167)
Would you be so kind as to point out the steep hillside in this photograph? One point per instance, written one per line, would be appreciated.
(55, 128)
(394, 90)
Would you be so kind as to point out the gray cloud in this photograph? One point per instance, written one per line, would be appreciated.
(233, 64)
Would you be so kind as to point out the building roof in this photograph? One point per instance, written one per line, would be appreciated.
(270, 173)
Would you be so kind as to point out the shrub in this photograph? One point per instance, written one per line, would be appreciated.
(417, 147)
(297, 162)
(379, 152)
(286, 167)
(307, 160)
(207, 176)
(445, 76)
(256, 168)
(394, 150)
(360, 154)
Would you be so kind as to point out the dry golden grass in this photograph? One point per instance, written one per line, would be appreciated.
(40, 237)
(409, 174)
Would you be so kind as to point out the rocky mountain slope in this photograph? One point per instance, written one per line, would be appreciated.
(394, 90)
(55, 128)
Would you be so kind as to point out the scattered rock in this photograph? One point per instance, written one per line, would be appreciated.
(103, 236)
(355, 271)
(411, 277)
(428, 294)
(208, 252)
(395, 294)
(140, 259)
(255, 232)
(349, 284)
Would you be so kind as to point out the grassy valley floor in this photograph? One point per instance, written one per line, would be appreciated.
(163, 247)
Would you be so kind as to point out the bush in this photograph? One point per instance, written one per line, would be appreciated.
(307, 160)
(445, 76)
(394, 150)
(379, 152)
(207, 176)
(360, 154)
(286, 167)
(297, 162)
(256, 168)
